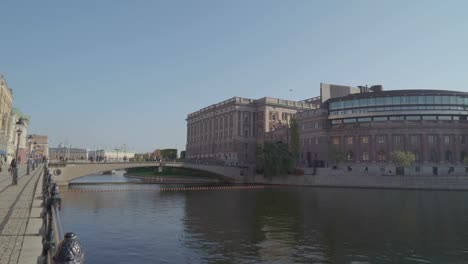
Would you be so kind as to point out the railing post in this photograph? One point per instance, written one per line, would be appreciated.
(69, 251)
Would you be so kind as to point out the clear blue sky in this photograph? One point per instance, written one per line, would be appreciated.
(113, 72)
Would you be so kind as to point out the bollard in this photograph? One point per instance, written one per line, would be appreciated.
(69, 251)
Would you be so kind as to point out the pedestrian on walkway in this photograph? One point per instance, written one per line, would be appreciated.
(14, 172)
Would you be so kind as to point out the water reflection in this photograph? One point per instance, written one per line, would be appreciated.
(275, 225)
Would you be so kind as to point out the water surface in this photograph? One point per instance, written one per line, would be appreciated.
(271, 225)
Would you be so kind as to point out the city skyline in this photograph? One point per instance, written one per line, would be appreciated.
(102, 74)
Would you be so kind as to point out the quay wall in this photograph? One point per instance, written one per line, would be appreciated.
(329, 177)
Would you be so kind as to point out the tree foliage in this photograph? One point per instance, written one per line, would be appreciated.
(169, 154)
(403, 158)
(274, 158)
(294, 139)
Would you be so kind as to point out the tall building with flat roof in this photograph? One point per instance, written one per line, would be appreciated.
(368, 127)
(228, 132)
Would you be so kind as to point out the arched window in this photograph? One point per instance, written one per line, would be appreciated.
(350, 156)
(448, 155)
(433, 156)
(462, 156)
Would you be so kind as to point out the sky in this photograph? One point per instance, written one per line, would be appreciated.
(111, 73)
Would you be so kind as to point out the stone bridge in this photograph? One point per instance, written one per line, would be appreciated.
(65, 173)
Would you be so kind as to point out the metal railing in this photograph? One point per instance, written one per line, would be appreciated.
(56, 250)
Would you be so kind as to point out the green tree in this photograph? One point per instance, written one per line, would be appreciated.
(294, 139)
(336, 155)
(274, 158)
(169, 154)
(403, 158)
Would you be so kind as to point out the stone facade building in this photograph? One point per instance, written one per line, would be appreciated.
(6, 102)
(368, 127)
(39, 145)
(365, 126)
(68, 153)
(228, 132)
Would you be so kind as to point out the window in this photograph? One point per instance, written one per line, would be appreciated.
(429, 117)
(365, 140)
(417, 169)
(433, 156)
(462, 139)
(349, 140)
(335, 140)
(381, 156)
(380, 119)
(349, 120)
(365, 155)
(397, 118)
(316, 141)
(447, 139)
(397, 139)
(349, 156)
(413, 118)
(364, 119)
(380, 139)
(462, 156)
(414, 139)
(445, 117)
(432, 139)
(448, 155)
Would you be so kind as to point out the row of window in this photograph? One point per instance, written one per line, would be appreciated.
(398, 108)
(400, 100)
(382, 156)
(398, 139)
(398, 118)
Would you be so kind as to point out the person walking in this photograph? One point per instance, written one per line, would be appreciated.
(14, 172)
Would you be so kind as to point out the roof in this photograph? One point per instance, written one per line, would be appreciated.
(397, 93)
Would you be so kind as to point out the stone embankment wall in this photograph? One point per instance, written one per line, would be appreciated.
(359, 179)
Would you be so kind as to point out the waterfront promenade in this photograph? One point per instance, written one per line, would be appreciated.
(15, 209)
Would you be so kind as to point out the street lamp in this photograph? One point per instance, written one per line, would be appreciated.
(117, 154)
(15, 168)
(28, 169)
(33, 154)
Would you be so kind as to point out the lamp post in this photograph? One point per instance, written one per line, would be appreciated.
(117, 154)
(15, 168)
(28, 169)
(34, 155)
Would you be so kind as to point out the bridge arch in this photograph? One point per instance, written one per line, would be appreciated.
(65, 173)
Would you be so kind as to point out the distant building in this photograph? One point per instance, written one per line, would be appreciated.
(39, 145)
(111, 155)
(13, 139)
(68, 153)
(228, 132)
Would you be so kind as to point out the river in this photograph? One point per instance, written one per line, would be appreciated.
(268, 225)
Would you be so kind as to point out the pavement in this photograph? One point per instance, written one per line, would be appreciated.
(15, 215)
